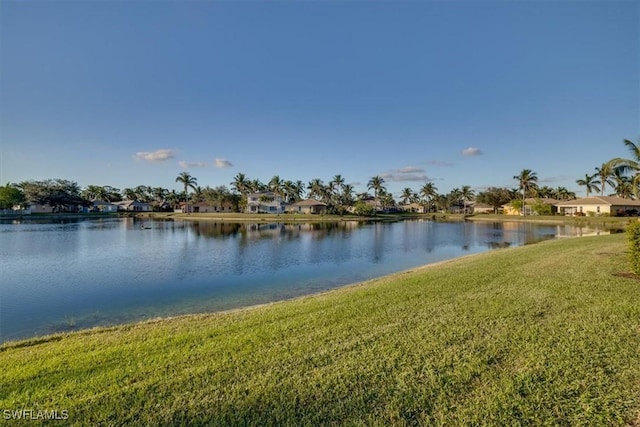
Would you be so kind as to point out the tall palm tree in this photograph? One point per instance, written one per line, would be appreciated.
(240, 184)
(467, 195)
(604, 176)
(376, 184)
(316, 189)
(187, 181)
(589, 182)
(406, 196)
(527, 181)
(336, 184)
(623, 184)
(630, 166)
(428, 191)
(276, 185)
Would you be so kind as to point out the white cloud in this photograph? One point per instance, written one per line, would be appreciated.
(222, 163)
(186, 165)
(471, 151)
(407, 173)
(410, 169)
(160, 155)
(438, 163)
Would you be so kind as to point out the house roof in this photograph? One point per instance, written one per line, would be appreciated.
(101, 203)
(309, 202)
(600, 200)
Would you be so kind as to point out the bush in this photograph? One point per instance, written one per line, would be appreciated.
(362, 209)
(633, 235)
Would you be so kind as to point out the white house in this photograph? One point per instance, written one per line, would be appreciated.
(265, 202)
(102, 206)
(599, 205)
(133, 206)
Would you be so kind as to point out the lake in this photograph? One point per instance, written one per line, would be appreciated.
(73, 274)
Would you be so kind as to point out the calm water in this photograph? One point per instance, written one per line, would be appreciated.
(76, 274)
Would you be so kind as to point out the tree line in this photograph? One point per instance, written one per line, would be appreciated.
(619, 174)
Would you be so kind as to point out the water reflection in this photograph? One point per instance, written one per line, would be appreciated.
(110, 270)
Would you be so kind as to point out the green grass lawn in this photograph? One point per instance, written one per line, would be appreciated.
(546, 334)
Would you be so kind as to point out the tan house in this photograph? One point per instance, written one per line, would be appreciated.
(204, 207)
(308, 206)
(482, 208)
(599, 205)
(413, 207)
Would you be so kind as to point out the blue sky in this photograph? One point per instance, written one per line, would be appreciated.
(458, 93)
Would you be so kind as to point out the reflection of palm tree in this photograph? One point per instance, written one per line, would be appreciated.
(188, 181)
(589, 182)
(527, 179)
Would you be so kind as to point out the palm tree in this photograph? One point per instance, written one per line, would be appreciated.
(375, 184)
(631, 166)
(467, 195)
(605, 176)
(406, 196)
(527, 180)
(240, 184)
(316, 189)
(276, 185)
(187, 180)
(561, 193)
(428, 191)
(623, 184)
(336, 183)
(589, 182)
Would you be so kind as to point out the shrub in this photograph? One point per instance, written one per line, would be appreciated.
(362, 209)
(633, 235)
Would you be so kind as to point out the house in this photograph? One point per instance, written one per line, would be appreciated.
(309, 206)
(265, 202)
(413, 207)
(600, 205)
(102, 206)
(482, 208)
(531, 205)
(205, 207)
(133, 206)
(161, 206)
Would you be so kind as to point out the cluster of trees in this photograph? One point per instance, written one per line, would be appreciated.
(620, 175)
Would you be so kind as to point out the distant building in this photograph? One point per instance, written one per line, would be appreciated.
(265, 202)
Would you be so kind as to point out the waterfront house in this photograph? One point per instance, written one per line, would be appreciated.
(309, 206)
(482, 208)
(133, 206)
(206, 207)
(102, 206)
(600, 205)
(265, 202)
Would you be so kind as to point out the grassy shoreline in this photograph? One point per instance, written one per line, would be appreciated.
(541, 334)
